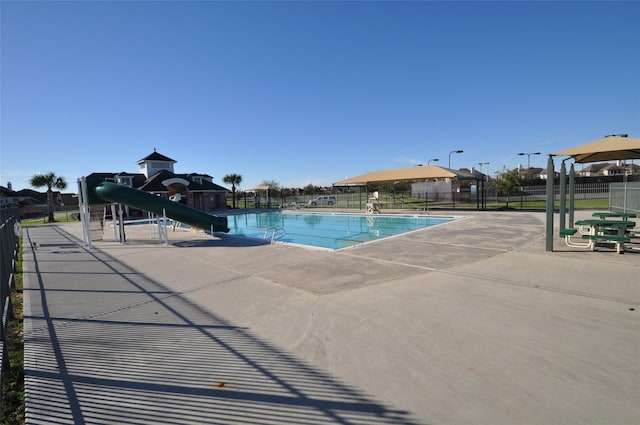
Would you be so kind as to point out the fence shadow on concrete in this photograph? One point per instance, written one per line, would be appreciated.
(106, 344)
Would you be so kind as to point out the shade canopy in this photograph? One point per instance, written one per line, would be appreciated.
(606, 149)
(411, 173)
(263, 187)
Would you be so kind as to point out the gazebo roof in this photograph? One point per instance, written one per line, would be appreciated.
(262, 187)
(410, 173)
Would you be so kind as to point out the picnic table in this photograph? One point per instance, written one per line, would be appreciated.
(609, 214)
(605, 231)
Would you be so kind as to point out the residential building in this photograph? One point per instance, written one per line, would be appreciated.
(156, 175)
(609, 169)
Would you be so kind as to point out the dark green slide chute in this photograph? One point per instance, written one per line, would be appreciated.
(112, 192)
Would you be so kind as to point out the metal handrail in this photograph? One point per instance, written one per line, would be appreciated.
(274, 231)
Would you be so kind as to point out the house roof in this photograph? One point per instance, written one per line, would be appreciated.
(599, 167)
(155, 183)
(544, 172)
(477, 174)
(100, 176)
(138, 179)
(200, 175)
(6, 191)
(155, 156)
(29, 193)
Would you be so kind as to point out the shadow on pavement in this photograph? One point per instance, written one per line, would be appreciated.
(106, 344)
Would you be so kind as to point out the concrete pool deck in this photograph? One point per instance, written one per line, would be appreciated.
(468, 323)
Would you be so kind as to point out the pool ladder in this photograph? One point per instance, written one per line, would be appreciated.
(276, 233)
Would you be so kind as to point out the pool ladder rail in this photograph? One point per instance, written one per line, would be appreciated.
(277, 233)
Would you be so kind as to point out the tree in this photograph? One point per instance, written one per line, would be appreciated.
(233, 180)
(273, 185)
(51, 181)
(510, 182)
(310, 189)
(273, 189)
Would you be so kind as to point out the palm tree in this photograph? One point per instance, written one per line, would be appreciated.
(51, 181)
(233, 180)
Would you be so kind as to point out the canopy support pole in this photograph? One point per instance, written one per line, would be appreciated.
(550, 196)
(572, 194)
(563, 195)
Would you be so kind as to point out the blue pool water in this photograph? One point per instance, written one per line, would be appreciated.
(332, 231)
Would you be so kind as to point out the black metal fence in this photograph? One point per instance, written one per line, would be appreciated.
(9, 239)
(437, 195)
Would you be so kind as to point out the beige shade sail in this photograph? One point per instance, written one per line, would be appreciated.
(609, 148)
(412, 173)
(263, 187)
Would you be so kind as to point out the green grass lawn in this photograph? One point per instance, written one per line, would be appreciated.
(60, 217)
(32, 221)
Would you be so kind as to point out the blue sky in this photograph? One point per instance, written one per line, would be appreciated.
(309, 92)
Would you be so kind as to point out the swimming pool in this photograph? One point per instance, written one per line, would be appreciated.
(331, 231)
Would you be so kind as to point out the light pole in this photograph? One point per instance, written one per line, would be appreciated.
(483, 189)
(433, 159)
(481, 164)
(458, 151)
(529, 157)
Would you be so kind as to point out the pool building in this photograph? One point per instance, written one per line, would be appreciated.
(156, 175)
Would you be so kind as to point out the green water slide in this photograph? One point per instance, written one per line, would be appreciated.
(111, 192)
